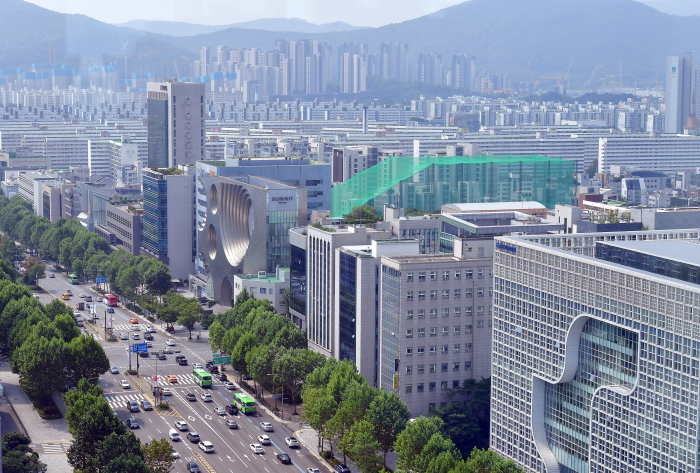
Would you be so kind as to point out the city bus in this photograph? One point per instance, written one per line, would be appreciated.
(244, 403)
(201, 377)
(111, 300)
(73, 279)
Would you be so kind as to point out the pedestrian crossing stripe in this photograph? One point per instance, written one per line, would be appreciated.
(55, 448)
(182, 380)
(122, 400)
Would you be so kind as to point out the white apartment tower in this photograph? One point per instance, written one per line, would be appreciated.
(678, 91)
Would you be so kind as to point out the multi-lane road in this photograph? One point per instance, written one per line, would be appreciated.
(231, 446)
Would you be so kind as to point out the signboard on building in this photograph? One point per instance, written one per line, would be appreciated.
(282, 199)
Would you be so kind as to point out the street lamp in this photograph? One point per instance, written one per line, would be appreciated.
(282, 410)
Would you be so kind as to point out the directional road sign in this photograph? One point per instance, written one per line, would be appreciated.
(140, 348)
(221, 360)
(101, 280)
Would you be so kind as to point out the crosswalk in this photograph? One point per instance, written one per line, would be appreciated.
(122, 400)
(182, 381)
(52, 448)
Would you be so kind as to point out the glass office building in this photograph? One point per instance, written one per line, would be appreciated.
(596, 361)
(155, 214)
(158, 122)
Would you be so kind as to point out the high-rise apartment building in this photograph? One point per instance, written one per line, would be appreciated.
(462, 73)
(596, 341)
(175, 123)
(679, 74)
(393, 61)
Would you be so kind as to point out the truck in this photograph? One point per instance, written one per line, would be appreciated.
(80, 306)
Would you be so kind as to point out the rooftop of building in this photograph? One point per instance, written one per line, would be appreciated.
(499, 223)
(271, 278)
(675, 250)
(494, 206)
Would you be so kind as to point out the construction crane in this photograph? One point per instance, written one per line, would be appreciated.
(603, 79)
(568, 77)
(54, 55)
(613, 82)
(589, 80)
(534, 82)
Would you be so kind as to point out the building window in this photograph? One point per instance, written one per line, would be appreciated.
(421, 369)
(445, 293)
(445, 311)
(455, 384)
(421, 276)
(263, 290)
(455, 366)
(409, 314)
(455, 348)
(468, 274)
(421, 351)
(456, 329)
(468, 292)
(409, 351)
(445, 275)
(490, 292)
(409, 333)
(458, 293)
(489, 323)
(490, 272)
(445, 349)
(468, 347)
(409, 388)
(253, 290)
(433, 331)
(479, 324)
(420, 387)
(433, 367)
(433, 275)
(431, 386)
(443, 385)
(480, 292)
(443, 367)
(467, 329)
(433, 294)
(467, 365)
(433, 313)
(421, 295)
(409, 369)
(468, 311)
(480, 310)
(445, 331)
(458, 274)
(409, 296)
(409, 277)
(421, 332)
(433, 350)
(421, 313)
(457, 311)
(481, 274)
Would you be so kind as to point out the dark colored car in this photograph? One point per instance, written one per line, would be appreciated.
(284, 458)
(193, 467)
(213, 370)
(191, 397)
(146, 406)
(132, 423)
(147, 336)
(231, 409)
(161, 356)
(179, 357)
(223, 377)
(110, 310)
(182, 362)
(208, 364)
(342, 469)
(143, 354)
(193, 436)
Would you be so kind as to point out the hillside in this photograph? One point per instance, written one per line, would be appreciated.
(176, 28)
(504, 35)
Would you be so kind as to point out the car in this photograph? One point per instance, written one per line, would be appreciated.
(133, 406)
(146, 406)
(99, 299)
(82, 296)
(220, 411)
(197, 366)
(161, 356)
(206, 397)
(191, 397)
(231, 424)
(80, 323)
(88, 298)
(151, 329)
(170, 342)
(284, 458)
(193, 436)
(181, 425)
(166, 392)
(35, 296)
(174, 435)
(182, 362)
(257, 448)
(179, 357)
(123, 336)
(132, 423)
(51, 276)
(209, 364)
(213, 370)
(133, 320)
(231, 409)
(193, 467)
(76, 313)
(172, 378)
(124, 384)
(110, 310)
(114, 370)
(168, 350)
(229, 385)
(65, 297)
(266, 426)
(147, 336)
(264, 439)
(206, 446)
(342, 468)
(69, 292)
(136, 328)
(292, 442)
(223, 377)
(143, 354)
(175, 454)
(136, 336)
(149, 344)
(312, 470)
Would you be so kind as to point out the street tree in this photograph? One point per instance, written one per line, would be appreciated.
(389, 416)
(189, 314)
(158, 456)
(157, 279)
(216, 336)
(67, 327)
(90, 423)
(128, 463)
(362, 447)
(56, 307)
(129, 282)
(87, 358)
(37, 272)
(84, 387)
(319, 408)
(413, 439)
(115, 445)
(486, 461)
(40, 363)
(295, 365)
(285, 300)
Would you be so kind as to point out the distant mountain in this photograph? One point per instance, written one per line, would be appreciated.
(503, 34)
(676, 7)
(175, 28)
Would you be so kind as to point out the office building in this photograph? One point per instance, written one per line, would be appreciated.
(423, 228)
(169, 232)
(30, 187)
(245, 230)
(175, 123)
(263, 285)
(679, 75)
(595, 340)
(123, 227)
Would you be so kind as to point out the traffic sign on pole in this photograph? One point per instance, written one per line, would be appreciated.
(140, 348)
(100, 280)
(221, 360)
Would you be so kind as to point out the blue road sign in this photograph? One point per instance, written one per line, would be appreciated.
(140, 348)
(101, 280)
(276, 396)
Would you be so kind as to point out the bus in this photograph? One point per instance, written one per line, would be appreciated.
(111, 300)
(73, 279)
(201, 377)
(244, 403)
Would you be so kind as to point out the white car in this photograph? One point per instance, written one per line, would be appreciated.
(166, 392)
(206, 446)
(137, 337)
(264, 439)
(170, 342)
(135, 328)
(206, 397)
(149, 344)
(51, 276)
(76, 314)
(181, 425)
(256, 448)
(124, 336)
(266, 426)
(124, 384)
(312, 470)
(229, 385)
(220, 411)
(291, 442)
(175, 454)
(197, 366)
(168, 350)
(99, 299)
(114, 370)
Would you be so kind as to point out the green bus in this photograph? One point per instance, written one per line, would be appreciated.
(73, 279)
(244, 403)
(202, 378)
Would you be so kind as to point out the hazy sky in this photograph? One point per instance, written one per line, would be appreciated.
(217, 12)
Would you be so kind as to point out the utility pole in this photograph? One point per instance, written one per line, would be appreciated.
(282, 396)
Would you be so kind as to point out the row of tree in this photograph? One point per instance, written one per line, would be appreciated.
(18, 456)
(101, 441)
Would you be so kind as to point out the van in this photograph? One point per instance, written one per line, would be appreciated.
(174, 435)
